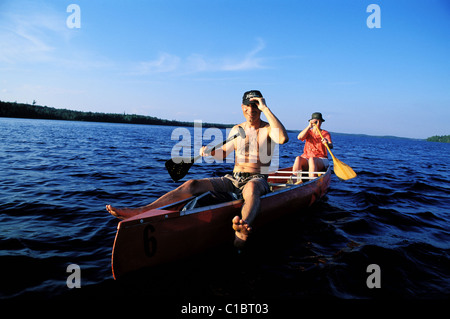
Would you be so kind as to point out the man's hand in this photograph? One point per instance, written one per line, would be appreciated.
(260, 103)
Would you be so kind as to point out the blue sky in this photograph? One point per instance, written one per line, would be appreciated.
(192, 60)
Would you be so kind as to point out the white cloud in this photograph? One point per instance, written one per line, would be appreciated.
(196, 63)
(164, 63)
(249, 62)
(30, 36)
(38, 34)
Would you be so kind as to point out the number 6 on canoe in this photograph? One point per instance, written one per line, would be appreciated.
(342, 170)
(178, 167)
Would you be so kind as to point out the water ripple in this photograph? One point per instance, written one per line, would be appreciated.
(56, 179)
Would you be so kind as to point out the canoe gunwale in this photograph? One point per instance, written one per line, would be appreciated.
(277, 192)
(167, 233)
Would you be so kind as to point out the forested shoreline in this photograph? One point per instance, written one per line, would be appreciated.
(442, 139)
(32, 111)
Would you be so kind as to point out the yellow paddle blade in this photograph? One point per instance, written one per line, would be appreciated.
(342, 170)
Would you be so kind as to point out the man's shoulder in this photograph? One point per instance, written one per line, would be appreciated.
(243, 124)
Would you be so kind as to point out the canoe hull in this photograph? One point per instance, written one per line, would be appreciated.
(165, 234)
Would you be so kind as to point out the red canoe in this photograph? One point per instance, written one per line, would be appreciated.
(169, 233)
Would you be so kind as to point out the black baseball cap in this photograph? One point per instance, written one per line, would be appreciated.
(249, 95)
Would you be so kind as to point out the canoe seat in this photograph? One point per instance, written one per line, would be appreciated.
(210, 198)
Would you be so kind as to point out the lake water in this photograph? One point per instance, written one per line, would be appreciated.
(56, 177)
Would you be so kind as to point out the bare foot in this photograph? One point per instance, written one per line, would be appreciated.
(123, 213)
(242, 230)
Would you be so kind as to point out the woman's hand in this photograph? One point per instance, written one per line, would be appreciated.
(313, 123)
(202, 151)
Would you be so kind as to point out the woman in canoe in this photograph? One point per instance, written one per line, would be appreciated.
(252, 159)
(314, 157)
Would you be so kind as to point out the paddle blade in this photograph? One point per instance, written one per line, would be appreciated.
(342, 170)
(178, 170)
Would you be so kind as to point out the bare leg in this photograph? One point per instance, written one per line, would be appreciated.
(300, 164)
(297, 165)
(186, 190)
(252, 193)
(315, 165)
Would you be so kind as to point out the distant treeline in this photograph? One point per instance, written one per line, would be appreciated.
(20, 110)
(436, 138)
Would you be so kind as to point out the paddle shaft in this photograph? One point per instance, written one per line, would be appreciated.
(209, 151)
(326, 144)
(342, 170)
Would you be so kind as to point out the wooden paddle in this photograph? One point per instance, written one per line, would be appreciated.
(179, 167)
(342, 170)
